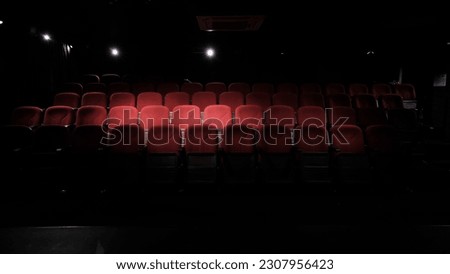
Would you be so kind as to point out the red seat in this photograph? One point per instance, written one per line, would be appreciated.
(148, 99)
(201, 139)
(391, 101)
(334, 88)
(28, 116)
(91, 115)
(122, 115)
(233, 99)
(358, 89)
(276, 139)
(364, 101)
(244, 88)
(285, 98)
(311, 115)
(311, 139)
(218, 116)
(311, 99)
(126, 139)
(109, 78)
(217, 87)
(240, 139)
(154, 116)
(339, 100)
(342, 116)
(94, 99)
(122, 99)
(72, 87)
(249, 115)
(185, 116)
(58, 115)
(370, 116)
(261, 99)
(263, 87)
(202, 99)
(348, 139)
(381, 89)
(173, 99)
(69, 99)
(280, 115)
(164, 139)
(406, 91)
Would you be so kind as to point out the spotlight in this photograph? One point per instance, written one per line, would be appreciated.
(114, 52)
(46, 37)
(370, 52)
(1, 22)
(210, 52)
(70, 46)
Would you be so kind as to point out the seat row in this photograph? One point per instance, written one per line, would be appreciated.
(219, 115)
(203, 99)
(406, 91)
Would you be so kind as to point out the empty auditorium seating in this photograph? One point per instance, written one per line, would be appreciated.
(311, 115)
(173, 99)
(185, 116)
(262, 99)
(338, 100)
(341, 116)
(88, 139)
(310, 88)
(94, 99)
(217, 87)
(311, 99)
(263, 87)
(201, 154)
(122, 99)
(364, 101)
(109, 78)
(90, 78)
(334, 88)
(382, 139)
(95, 87)
(166, 87)
(287, 87)
(69, 99)
(249, 115)
(244, 88)
(51, 138)
(122, 115)
(285, 98)
(358, 89)
(280, 115)
(28, 116)
(118, 87)
(154, 116)
(90, 115)
(148, 99)
(391, 101)
(202, 99)
(191, 87)
(381, 89)
(233, 99)
(14, 139)
(143, 87)
(126, 139)
(72, 87)
(350, 161)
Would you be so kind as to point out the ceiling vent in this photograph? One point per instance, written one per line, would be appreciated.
(230, 23)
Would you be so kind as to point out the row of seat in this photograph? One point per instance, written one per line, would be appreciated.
(201, 148)
(219, 115)
(406, 91)
(232, 99)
